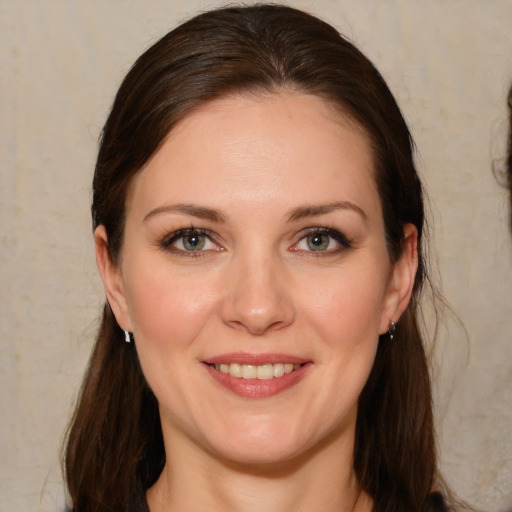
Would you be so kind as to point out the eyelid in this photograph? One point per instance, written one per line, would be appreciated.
(340, 238)
(167, 241)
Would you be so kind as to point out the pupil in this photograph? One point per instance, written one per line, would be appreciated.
(318, 242)
(194, 242)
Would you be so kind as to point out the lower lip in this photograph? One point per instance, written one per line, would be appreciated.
(256, 388)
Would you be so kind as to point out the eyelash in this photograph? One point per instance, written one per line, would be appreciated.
(341, 239)
(167, 243)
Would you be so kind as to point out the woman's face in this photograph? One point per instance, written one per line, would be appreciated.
(255, 277)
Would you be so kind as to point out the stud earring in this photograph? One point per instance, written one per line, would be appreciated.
(128, 336)
(391, 329)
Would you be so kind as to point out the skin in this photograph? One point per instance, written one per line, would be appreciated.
(256, 170)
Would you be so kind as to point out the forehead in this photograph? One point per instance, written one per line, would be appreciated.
(269, 112)
(250, 148)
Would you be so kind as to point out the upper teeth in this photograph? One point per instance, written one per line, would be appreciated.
(262, 372)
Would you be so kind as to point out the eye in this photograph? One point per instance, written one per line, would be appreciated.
(190, 240)
(323, 240)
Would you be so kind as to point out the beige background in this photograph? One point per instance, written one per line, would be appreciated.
(449, 63)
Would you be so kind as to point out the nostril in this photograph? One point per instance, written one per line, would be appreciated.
(256, 328)
(259, 322)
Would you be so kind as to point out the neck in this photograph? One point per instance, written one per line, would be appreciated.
(322, 479)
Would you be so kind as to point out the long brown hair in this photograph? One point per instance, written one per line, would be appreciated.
(114, 449)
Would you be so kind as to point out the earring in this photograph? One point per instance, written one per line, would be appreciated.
(391, 329)
(128, 336)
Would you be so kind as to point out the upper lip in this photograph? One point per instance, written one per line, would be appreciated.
(254, 359)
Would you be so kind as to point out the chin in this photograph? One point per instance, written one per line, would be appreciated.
(261, 456)
(266, 445)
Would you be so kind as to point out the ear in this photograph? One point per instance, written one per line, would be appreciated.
(401, 280)
(112, 279)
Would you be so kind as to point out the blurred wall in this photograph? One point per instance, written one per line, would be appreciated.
(449, 64)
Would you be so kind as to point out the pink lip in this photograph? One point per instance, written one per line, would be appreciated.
(255, 359)
(254, 388)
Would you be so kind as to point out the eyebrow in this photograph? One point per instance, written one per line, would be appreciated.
(315, 210)
(189, 209)
(220, 217)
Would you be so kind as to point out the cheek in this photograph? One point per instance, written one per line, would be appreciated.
(348, 305)
(168, 309)
(346, 314)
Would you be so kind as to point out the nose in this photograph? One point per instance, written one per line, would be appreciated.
(257, 298)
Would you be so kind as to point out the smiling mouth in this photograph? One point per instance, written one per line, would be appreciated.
(260, 372)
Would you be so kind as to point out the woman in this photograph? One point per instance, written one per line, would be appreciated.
(258, 226)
